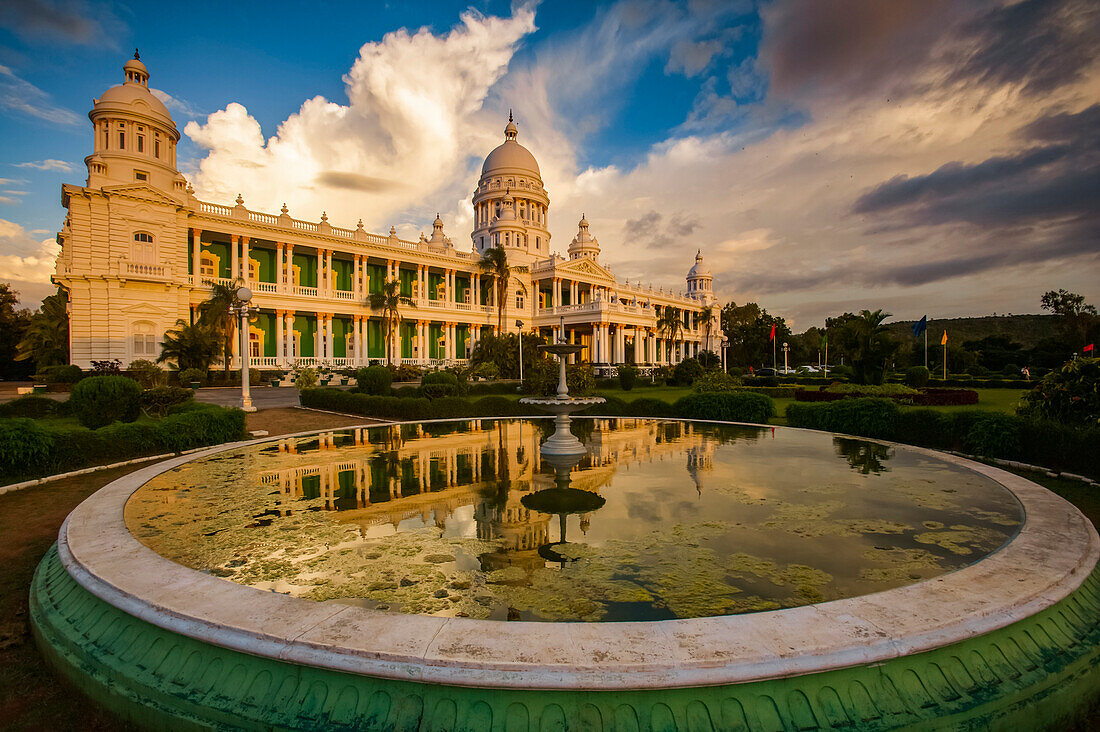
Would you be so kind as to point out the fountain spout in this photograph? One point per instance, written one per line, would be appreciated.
(562, 442)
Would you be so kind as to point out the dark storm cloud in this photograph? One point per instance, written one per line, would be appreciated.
(355, 182)
(651, 230)
(1037, 185)
(67, 21)
(1041, 44)
(861, 47)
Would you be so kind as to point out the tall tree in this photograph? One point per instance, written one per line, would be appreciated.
(190, 346)
(46, 340)
(706, 314)
(494, 263)
(669, 323)
(1077, 316)
(869, 345)
(387, 302)
(748, 328)
(13, 325)
(216, 312)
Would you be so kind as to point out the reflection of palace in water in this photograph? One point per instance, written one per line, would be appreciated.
(387, 475)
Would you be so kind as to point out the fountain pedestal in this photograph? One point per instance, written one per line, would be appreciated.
(563, 441)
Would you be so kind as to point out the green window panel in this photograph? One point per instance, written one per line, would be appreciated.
(307, 269)
(435, 286)
(377, 275)
(462, 337)
(340, 329)
(266, 323)
(306, 327)
(435, 340)
(565, 295)
(376, 345)
(265, 264)
(407, 277)
(408, 332)
(462, 286)
(343, 270)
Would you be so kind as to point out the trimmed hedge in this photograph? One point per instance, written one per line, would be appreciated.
(926, 398)
(374, 380)
(31, 449)
(976, 432)
(732, 406)
(34, 407)
(97, 401)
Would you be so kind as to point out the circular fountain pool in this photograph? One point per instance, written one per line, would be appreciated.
(657, 521)
(762, 579)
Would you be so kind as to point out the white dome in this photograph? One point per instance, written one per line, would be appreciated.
(510, 156)
(700, 269)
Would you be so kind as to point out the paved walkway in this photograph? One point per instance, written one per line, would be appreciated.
(263, 397)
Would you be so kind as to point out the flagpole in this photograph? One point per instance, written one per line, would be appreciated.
(926, 347)
(773, 353)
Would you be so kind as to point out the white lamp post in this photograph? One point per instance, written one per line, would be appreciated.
(519, 324)
(245, 296)
(785, 349)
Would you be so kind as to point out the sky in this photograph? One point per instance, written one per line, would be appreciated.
(936, 157)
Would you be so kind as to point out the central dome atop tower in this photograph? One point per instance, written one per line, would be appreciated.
(510, 156)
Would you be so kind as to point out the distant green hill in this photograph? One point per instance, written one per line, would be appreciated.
(1026, 330)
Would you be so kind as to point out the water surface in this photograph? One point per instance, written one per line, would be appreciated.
(659, 520)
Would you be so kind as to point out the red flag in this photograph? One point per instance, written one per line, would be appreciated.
(772, 337)
(1087, 348)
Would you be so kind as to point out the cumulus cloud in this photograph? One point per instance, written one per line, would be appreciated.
(27, 262)
(47, 164)
(23, 97)
(414, 114)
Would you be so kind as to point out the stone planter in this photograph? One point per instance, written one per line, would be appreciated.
(194, 385)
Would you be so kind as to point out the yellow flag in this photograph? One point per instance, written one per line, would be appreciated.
(943, 341)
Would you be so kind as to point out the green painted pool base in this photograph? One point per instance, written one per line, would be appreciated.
(1039, 673)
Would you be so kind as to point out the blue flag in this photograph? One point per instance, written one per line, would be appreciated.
(920, 326)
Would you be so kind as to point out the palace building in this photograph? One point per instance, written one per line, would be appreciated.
(138, 251)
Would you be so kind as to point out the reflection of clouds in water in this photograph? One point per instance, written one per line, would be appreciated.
(690, 526)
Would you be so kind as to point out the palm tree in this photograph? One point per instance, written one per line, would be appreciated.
(217, 313)
(46, 340)
(494, 262)
(388, 302)
(869, 345)
(707, 315)
(669, 323)
(191, 346)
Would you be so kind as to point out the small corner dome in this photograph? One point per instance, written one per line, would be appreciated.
(700, 269)
(510, 156)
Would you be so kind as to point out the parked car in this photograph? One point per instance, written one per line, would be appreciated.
(766, 372)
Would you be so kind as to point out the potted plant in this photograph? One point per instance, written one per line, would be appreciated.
(192, 378)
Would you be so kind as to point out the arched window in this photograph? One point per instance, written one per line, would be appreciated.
(144, 339)
(208, 265)
(255, 344)
(145, 250)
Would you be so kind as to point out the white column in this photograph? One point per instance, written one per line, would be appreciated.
(246, 256)
(355, 277)
(289, 266)
(556, 293)
(320, 271)
(280, 268)
(234, 258)
(639, 334)
(318, 332)
(196, 255)
(278, 337)
(330, 352)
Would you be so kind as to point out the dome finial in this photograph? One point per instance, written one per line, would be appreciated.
(137, 55)
(510, 131)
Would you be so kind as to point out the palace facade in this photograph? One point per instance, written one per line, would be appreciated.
(138, 251)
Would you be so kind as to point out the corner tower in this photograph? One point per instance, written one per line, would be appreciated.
(134, 136)
(700, 282)
(510, 204)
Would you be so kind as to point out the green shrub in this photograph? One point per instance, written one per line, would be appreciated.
(865, 417)
(62, 374)
(438, 384)
(498, 406)
(30, 449)
(305, 378)
(917, 376)
(628, 374)
(405, 392)
(188, 376)
(406, 372)
(100, 400)
(540, 376)
(872, 390)
(450, 407)
(485, 370)
(739, 406)
(147, 373)
(649, 407)
(579, 378)
(716, 381)
(1070, 395)
(156, 402)
(34, 407)
(994, 434)
(374, 380)
(928, 427)
(686, 372)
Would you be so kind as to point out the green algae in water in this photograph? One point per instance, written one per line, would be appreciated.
(683, 520)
